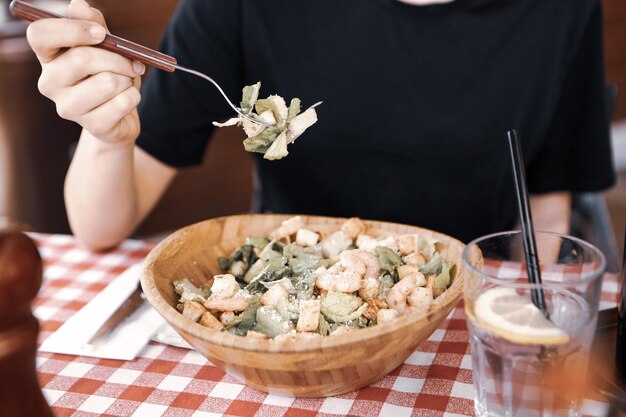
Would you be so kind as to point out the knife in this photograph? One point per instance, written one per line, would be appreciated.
(132, 303)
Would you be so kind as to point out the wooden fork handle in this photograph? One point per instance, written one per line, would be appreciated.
(111, 43)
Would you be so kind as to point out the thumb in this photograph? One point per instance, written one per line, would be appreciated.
(79, 9)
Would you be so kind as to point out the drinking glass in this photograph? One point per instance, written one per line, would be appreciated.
(526, 361)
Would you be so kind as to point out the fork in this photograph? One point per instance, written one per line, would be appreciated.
(130, 50)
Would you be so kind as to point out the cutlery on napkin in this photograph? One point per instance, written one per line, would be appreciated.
(116, 324)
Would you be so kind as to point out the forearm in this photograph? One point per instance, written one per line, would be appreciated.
(552, 211)
(100, 192)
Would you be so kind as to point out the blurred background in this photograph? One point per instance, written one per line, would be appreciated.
(36, 145)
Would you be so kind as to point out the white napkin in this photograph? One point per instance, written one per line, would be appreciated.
(125, 341)
(166, 334)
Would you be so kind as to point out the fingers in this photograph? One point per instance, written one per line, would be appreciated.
(79, 9)
(73, 103)
(81, 62)
(110, 120)
(47, 37)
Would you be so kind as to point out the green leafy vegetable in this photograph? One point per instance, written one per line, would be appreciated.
(358, 323)
(276, 105)
(442, 281)
(305, 286)
(245, 254)
(262, 142)
(323, 327)
(287, 310)
(247, 319)
(342, 308)
(300, 265)
(188, 291)
(386, 282)
(434, 266)
(426, 246)
(281, 124)
(275, 269)
(294, 108)
(257, 242)
(335, 243)
(250, 96)
(269, 321)
(278, 149)
(254, 270)
(389, 261)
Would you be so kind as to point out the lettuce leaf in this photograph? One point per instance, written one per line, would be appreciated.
(294, 108)
(284, 124)
(442, 281)
(342, 308)
(188, 291)
(247, 319)
(434, 266)
(323, 327)
(389, 261)
(276, 104)
(270, 322)
(262, 142)
(278, 149)
(249, 97)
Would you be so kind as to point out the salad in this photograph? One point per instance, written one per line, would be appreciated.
(283, 124)
(297, 283)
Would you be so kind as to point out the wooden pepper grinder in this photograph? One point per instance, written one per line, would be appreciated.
(20, 279)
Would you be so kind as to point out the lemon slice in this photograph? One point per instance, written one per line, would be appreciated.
(505, 313)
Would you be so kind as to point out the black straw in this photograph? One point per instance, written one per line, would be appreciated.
(526, 221)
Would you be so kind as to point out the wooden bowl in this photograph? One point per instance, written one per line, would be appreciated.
(312, 368)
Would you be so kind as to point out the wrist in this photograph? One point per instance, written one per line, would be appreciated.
(101, 146)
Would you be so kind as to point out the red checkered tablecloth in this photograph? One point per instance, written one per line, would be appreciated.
(436, 380)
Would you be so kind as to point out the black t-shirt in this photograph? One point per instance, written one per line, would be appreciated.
(417, 102)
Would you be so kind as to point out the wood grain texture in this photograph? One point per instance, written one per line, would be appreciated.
(312, 368)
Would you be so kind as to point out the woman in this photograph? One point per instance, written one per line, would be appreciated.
(417, 100)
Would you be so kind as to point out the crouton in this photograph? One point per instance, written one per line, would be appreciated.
(288, 228)
(210, 321)
(420, 297)
(193, 310)
(414, 258)
(226, 317)
(406, 270)
(274, 295)
(230, 304)
(407, 244)
(430, 283)
(309, 315)
(353, 227)
(306, 237)
(366, 243)
(386, 315)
